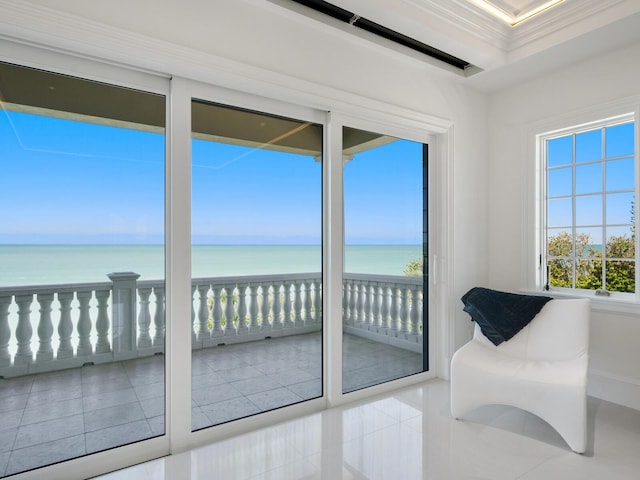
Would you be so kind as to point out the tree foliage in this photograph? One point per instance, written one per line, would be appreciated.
(619, 264)
(414, 268)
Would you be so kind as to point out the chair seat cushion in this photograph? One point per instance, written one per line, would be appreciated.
(489, 361)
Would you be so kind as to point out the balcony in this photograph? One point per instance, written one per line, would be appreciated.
(83, 364)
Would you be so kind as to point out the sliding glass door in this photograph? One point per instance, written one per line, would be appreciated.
(256, 262)
(385, 251)
(82, 282)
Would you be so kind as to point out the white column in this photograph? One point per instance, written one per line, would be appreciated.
(124, 306)
(5, 332)
(144, 318)
(65, 326)
(287, 323)
(229, 311)
(297, 303)
(307, 302)
(102, 322)
(264, 308)
(253, 306)
(24, 330)
(277, 323)
(45, 328)
(216, 312)
(202, 328)
(84, 324)
(159, 317)
(242, 309)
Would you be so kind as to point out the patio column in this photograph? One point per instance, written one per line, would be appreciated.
(124, 307)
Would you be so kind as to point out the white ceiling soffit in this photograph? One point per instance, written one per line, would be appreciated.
(544, 36)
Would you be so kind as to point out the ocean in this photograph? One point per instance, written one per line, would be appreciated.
(58, 264)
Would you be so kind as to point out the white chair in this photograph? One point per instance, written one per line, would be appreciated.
(542, 369)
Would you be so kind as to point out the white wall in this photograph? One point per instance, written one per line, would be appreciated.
(319, 59)
(615, 355)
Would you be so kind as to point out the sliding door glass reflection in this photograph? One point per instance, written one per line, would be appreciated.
(82, 282)
(256, 262)
(383, 283)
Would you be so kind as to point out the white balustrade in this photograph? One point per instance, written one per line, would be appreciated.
(109, 321)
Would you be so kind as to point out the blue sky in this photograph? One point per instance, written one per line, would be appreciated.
(70, 182)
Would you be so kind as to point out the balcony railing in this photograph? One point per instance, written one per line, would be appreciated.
(52, 327)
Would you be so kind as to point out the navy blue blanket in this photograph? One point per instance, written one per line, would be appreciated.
(501, 315)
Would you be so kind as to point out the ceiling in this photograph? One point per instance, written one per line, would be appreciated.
(508, 41)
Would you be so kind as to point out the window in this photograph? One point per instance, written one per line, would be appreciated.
(589, 196)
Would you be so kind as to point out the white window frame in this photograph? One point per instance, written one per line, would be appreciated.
(623, 111)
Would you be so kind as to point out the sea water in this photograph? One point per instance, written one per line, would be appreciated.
(61, 264)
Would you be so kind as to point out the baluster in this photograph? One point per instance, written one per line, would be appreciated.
(242, 310)
(202, 327)
(217, 312)
(287, 305)
(415, 310)
(84, 324)
(102, 322)
(253, 306)
(317, 300)
(45, 328)
(24, 330)
(375, 307)
(360, 318)
(144, 318)
(277, 307)
(346, 299)
(395, 309)
(353, 301)
(297, 303)
(264, 308)
(158, 318)
(307, 302)
(385, 310)
(230, 329)
(194, 338)
(65, 326)
(404, 310)
(366, 314)
(5, 332)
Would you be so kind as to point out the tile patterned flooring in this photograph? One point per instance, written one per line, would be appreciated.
(47, 418)
(409, 434)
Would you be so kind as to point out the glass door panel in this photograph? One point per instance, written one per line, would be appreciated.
(82, 282)
(256, 262)
(385, 218)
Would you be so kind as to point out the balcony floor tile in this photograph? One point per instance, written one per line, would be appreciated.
(50, 417)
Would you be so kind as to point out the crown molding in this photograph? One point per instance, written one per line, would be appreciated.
(24, 23)
(561, 18)
(467, 20)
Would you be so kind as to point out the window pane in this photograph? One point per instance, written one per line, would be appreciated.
(256, 261)
(620, 174)
(82, 253)
(559, 242)
(620, 243)
(560, 151)
(619, 140)
(620, 208)
(589, 210)
(589, 178)
(589, 146)
(559, 182)
(589, 274)
(383, 281)
(559, 212)
(560, 273)
(621, 276)
(589, 242)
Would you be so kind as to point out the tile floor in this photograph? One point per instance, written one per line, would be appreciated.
(409, 434)
(51, 417)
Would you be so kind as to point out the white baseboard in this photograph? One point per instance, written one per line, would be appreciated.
(621, 390)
